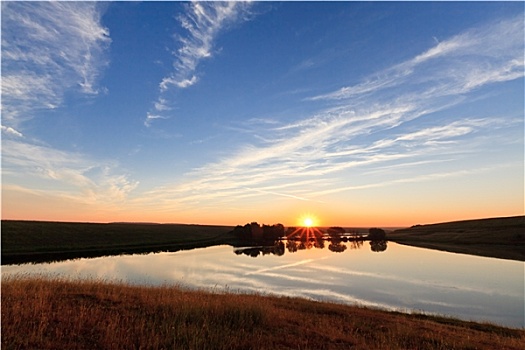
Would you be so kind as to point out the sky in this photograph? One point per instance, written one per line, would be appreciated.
(352, 113)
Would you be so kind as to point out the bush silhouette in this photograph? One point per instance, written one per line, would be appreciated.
(376, 234)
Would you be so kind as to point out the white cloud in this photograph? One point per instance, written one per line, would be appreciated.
(184, 83)
(513, 69)
(443, 48)
(10, 131)
(418, 178)
(47, 49)
(366, 130)
(162, 105)
(151, 117)
(71, 174)
(202, 21)
(477, 57)
(311, 165)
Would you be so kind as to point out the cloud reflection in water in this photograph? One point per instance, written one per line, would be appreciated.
(401, 278)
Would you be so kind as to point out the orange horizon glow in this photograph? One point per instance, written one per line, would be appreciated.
(223, 221)
(24, 205)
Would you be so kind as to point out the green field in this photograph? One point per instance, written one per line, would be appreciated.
(496, 237)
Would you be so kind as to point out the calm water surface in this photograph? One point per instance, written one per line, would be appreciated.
(399, 278)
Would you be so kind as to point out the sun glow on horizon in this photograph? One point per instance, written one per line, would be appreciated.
(307, 221)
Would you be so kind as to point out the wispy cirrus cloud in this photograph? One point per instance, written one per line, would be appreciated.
(70, 175)
(201, 23)
(313, 165)
(368, 127)
(10, 131)
(476, 57)
(151, 117)
(49, 48)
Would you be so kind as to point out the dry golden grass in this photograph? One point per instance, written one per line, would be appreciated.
(38, 313)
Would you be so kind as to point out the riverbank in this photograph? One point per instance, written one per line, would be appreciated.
(60, 314)
(502, 238)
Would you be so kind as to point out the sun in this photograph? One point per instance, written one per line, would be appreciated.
(308, 222)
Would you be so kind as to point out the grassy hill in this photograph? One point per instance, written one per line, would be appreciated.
(496, 237)
(39, 313)
(38, 241)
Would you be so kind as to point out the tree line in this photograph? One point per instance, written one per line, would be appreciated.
(256, 232)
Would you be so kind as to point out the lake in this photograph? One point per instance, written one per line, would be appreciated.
(389, 276)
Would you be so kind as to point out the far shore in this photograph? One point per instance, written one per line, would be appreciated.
(502, 238)
(40, 241)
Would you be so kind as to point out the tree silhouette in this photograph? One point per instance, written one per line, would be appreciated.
(378, 246)
(254, 232)
(292, 246)
(376, 234)
(356, 243)
(335, 231)
(276, 249)
(337, 247)
(273, 232)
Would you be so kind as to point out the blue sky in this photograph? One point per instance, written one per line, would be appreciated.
(227, 112)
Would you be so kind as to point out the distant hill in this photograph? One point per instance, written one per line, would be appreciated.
(495, 237)
(42, 241)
